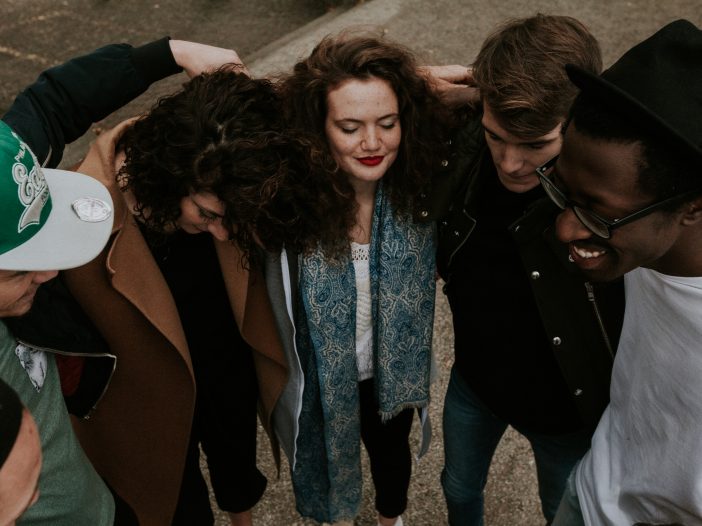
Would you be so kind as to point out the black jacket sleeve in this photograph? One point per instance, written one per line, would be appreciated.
(65, 100)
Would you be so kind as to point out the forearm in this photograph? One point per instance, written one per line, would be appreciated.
(65, 100)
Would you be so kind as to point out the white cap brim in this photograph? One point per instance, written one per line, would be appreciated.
(66, 240)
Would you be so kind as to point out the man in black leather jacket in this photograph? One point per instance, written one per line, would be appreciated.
(533, 343)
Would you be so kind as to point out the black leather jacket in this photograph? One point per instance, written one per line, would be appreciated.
(57, 324)
(582, 320)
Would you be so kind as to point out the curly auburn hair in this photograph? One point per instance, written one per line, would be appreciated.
(220, 134)
(304, 94)
(520, 71)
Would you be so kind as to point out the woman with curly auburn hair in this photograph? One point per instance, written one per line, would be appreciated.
(171, 305)
(364, 305)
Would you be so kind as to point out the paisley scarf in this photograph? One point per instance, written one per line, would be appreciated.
(327, 474)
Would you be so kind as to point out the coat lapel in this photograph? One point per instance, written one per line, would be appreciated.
(249, 299)
(133, 270)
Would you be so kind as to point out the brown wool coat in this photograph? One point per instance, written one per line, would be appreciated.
(138, 435)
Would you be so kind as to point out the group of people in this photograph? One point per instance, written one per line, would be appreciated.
(250, 247)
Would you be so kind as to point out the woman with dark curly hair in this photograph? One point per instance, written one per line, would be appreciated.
(171, 305)
(364, 305)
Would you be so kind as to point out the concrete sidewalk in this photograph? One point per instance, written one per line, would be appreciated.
(451, 31)
(37, 34)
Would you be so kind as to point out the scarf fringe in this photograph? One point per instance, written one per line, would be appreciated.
(386, 416)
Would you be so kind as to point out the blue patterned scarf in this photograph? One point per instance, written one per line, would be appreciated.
(327, 474)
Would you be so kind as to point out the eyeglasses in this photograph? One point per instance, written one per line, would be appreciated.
(597, 224)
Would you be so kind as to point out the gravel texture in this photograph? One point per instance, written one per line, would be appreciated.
(511, 496)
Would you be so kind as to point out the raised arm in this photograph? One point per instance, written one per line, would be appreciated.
(66, 100)
(195, 58)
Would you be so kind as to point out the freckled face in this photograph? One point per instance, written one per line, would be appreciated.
(517, 158)
(203, 212)
(19, 474)
(363, 128)
(17, 290)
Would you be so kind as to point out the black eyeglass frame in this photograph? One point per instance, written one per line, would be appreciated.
(592, 220)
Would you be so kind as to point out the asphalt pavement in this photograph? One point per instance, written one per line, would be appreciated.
(270, 36)
(37, 34)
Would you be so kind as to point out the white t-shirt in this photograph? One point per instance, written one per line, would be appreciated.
(645, 464)
(364, 322)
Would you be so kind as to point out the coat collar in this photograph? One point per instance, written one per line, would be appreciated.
(248, 297)
(132, 269)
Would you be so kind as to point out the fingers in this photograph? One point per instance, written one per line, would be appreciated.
(197, 58)
(453, 84)
(452, 73)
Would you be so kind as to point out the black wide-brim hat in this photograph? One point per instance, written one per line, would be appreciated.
(657, 84)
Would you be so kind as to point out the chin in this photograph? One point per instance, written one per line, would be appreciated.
(519, 187)
(602, 275)
(190, 229)
(16, 312)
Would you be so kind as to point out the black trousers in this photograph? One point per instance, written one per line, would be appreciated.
(389, 452)
(225, 425)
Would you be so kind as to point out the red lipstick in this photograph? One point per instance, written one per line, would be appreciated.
(371, 161)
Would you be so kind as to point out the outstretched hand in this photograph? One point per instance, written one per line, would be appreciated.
(197, 58)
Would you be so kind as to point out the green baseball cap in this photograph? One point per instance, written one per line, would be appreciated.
(49, 219)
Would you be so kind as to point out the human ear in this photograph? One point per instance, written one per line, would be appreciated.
(692, 212)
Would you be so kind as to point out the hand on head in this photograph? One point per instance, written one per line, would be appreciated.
(453, 84)
(197, 58)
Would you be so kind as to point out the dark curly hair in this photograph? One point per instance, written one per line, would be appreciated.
(304, 95)
(221, 134)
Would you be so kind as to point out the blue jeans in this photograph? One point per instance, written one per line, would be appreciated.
(569, 511)
(471, 434)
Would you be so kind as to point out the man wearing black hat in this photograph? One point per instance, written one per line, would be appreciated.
(629, 182)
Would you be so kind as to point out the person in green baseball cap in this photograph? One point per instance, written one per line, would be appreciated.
(52, 220)
(49, 220)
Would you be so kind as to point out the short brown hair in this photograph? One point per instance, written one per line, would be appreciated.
(520, 71)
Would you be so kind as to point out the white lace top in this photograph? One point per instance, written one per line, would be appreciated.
(364, 322)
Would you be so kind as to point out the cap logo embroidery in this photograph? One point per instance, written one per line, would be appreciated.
(32, 190)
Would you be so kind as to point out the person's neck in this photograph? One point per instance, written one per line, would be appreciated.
(685, 257)
(364, 190)
(365, 200)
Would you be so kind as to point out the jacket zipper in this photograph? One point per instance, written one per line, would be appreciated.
(83, 355)
(595, 308)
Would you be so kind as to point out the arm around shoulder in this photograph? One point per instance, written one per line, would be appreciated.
(65, 100)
